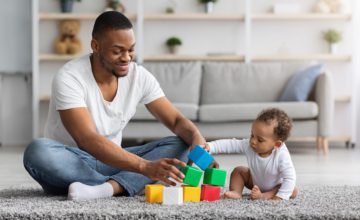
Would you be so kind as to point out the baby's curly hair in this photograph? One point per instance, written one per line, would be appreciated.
(283, 122)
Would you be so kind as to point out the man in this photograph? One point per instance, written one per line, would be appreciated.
(93, 98)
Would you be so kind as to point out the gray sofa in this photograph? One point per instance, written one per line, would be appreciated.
(223, 98)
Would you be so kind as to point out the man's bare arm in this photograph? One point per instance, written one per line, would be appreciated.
(165, 112)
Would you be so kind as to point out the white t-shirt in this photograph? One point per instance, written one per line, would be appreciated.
(267, 172)
(74, 86)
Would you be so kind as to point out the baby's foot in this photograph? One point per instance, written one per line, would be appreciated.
(232, 195)
(256, 193)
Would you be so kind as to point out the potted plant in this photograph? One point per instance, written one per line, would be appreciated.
(171, 8)
(115, 5)
(173, 43)
(67, 5)
(333, 37)
(209, 5)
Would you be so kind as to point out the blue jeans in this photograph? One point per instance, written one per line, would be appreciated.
(55, 166)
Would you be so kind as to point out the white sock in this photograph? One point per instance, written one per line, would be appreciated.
(79, 191)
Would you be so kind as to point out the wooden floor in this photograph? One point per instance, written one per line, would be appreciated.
(340, 167)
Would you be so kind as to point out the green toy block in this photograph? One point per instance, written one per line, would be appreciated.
(192, 175)
(215, 177)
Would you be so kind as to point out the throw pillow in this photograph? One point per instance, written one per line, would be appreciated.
(300, 84)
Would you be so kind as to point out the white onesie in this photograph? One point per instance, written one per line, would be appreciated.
(266, 172)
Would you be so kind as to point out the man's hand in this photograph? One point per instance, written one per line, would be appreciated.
(163, 169)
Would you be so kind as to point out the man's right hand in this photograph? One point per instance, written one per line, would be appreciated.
(163, 169)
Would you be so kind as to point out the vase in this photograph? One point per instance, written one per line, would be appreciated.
(333, 48)
(209, 7)
(174, 49)
(66, 5)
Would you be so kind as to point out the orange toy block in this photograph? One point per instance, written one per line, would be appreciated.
(191, 194)
(154, 193)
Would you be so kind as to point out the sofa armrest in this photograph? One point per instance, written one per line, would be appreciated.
(325, 98)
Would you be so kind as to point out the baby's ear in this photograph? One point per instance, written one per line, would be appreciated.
(278, 144)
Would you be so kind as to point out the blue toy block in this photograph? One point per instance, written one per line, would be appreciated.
(200, 157)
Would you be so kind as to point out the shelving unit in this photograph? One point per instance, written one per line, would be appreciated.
(80, 16)
(240, 58)
(201, 17)
(299, 57)
(301, 17)
(244, 21)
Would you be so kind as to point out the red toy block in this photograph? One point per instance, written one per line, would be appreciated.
(210, 193)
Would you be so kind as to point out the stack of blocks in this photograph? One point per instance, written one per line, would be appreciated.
(209, 191)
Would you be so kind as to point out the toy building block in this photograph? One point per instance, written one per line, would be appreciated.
(200, 157)
(192, 175)
(210, 193)
(173, 196)
(215, 177)
(154, 193)
(191, 194)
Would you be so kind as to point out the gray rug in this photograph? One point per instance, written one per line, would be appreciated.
(330, 202)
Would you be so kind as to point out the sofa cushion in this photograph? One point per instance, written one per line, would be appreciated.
(300, 84)
(249, 111)
(179, 80)
(234, 82)
(190, 111)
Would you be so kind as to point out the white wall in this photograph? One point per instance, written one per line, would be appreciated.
(15, 61)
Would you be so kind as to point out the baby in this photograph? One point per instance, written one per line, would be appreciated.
(271, 174)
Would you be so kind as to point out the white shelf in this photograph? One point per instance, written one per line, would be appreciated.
(56, 57)
(310, 16)
(170, 57)
(77, 16)
(220, 17)
(44, 98)
(299, 57)
(343, 99)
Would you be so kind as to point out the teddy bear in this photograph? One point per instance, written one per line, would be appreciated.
(68, 41)
(330, 6)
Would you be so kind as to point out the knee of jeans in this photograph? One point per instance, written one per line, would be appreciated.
(183, 147)
(35, 151)
(177, 141)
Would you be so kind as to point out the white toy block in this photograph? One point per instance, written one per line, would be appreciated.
(173, 196)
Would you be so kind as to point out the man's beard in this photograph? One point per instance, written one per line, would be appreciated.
(108, 68)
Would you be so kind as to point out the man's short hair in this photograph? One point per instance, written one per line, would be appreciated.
(282, 121)
(110, 20)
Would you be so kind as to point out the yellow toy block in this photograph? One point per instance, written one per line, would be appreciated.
(154, 193)
(191, 194)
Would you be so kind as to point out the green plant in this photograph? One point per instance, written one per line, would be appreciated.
(169, 10)
(173, 41)
(206, 1)
(113, 4)
(332, 36)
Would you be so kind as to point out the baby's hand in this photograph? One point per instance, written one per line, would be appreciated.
(206, 147)
(214, 164)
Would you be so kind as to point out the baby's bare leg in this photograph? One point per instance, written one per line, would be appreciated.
(239, 178)
(295, 193)
(257, 194)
